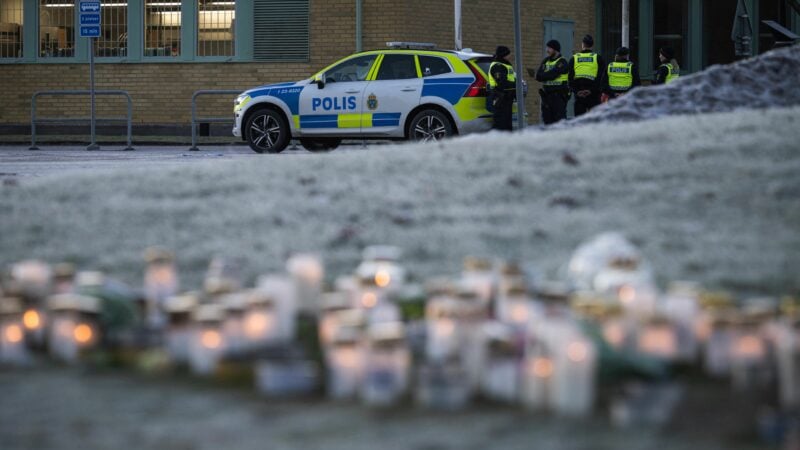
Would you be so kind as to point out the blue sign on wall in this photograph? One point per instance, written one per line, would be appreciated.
(89, 18)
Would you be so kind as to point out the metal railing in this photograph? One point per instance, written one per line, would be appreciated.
(196, 120)
(35, 120)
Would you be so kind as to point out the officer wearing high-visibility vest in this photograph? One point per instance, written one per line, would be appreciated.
(503, 89)
(553, 73)
(622, 75)
(586, 69)
(669, 69)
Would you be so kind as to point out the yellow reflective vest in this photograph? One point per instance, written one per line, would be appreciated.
(512, 77)
(562, 79)
(585, 65)
(620, 76)
(672, 74)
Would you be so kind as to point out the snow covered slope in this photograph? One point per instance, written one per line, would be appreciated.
(768, 80)
(713, 197)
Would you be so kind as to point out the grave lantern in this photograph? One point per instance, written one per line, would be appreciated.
(179, 331)
(387, 364)
(73, 326)
(208, 341)
(12, 333)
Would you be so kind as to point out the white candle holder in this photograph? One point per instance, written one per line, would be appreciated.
(73, 326)
(208, 340)
(658, 338)
(681, 306)
(308, 273)
(345, 364)
(261, 322)
(387, 363)
(283, 292)
(160, 283)
(748, 357)
(501, 366)
(537, 376)
(479, 278)
(13, 350)
(233, 324)
(332, 304)
(178, 334)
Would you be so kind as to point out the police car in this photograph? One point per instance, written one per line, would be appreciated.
(408, 91)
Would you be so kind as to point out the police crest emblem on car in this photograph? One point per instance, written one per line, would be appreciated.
(372, 101)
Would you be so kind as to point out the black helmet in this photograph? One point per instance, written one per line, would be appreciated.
(623, 51)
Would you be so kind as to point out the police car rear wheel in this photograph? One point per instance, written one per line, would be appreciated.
(320, 144)
(430, 126)
(267, 131)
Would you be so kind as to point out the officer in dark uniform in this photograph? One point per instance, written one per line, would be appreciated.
(502, 89)
(586, 70)
(553, 73)
(622, 75)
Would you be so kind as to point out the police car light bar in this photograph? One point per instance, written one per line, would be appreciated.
(415, 45)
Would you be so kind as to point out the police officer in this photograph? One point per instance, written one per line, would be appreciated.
(503, 89)
(622, 75)
(669, 69)
(586, 69)
(553, 73)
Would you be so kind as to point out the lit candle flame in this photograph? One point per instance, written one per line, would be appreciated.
(382, 278)
(542, 367)
(369, 300)
(13, 334)
(211, 339)
(31, 319)
(82, 334)
(577, 351)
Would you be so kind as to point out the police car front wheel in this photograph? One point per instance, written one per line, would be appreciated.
(430, 125)
(267, 131)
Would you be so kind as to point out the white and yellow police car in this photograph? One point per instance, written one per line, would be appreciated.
(408, 91)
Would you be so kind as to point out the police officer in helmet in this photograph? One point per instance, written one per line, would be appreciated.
(503, 89)
(553, 73)
(622, 75)
(586, 70)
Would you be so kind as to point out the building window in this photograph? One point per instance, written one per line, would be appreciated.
(718, 16)
(612, 28)
(215, 27)
(113, 39)
(56, 28)
(10, 28)
(162, 28)
(670, 27)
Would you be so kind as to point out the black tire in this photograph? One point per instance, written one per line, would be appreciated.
(430, 125)
(320, 145)
(267, 131)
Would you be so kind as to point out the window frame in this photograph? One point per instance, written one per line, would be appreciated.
(242, 47)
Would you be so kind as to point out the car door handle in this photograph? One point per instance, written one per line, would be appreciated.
(409, 89)
(352, 91)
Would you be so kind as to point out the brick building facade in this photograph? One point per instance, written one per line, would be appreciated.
(162, 91)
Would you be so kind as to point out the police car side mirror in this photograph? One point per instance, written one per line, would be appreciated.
(320, 80)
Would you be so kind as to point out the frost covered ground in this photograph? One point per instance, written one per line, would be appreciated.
(713, 198)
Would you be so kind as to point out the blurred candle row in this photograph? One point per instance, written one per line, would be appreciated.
(378, 336)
